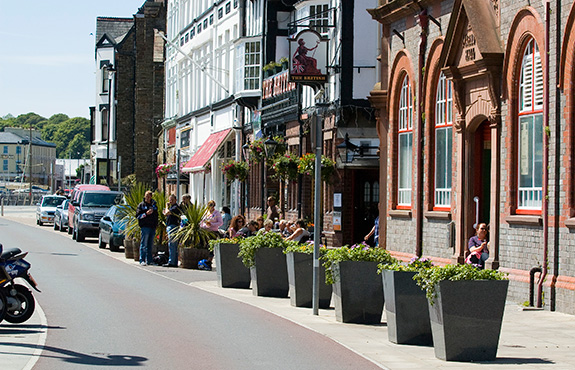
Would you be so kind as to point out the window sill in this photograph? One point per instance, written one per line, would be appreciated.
(400, 213)
(524, 220)
(438, 215)
(570, 223)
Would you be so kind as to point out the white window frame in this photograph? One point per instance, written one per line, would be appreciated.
(405, 138)
(443, 150)
(530, 131)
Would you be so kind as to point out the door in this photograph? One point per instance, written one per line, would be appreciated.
(365, 206)
(480, 176)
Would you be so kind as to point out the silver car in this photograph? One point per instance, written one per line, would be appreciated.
(61, 216)
(47, 207)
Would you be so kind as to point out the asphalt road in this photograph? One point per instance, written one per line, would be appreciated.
(104, 312)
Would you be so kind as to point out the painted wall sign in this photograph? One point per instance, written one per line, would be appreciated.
(308, 58)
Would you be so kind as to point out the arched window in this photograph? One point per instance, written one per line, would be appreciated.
(443, 143)
(405, 143)
(530, 131)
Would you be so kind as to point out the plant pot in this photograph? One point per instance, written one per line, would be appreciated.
(189, 257)
(358, 292)
(128, 248)
(232, 273)
(300, 277)
(406, 309)
(136, 247)
(466, 319)
(269, 275)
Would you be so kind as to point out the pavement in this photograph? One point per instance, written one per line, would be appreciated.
(530, 339)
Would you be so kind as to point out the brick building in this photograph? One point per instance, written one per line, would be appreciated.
(130, 72)
(475, 125)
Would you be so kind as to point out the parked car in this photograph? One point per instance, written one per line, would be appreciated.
(89, 209)
(47, 207)
(75, 197)
(111, 228)
(61, 216)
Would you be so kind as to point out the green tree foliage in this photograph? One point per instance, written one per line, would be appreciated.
(71, 135)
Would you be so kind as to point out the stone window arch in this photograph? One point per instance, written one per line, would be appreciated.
(405, 145)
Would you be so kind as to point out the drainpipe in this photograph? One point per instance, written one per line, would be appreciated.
(424, 23)
(545, 189)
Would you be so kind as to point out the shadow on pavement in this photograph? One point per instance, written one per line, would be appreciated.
(516, 361)
(65, 355)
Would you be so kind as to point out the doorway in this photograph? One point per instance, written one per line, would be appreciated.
(480, 176)
(365, 205)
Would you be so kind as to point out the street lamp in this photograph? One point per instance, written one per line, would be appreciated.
(111, 70)
(347, 150)
(270, 146)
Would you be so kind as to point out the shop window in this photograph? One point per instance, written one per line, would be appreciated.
(443, 143)
(405, 145)
(530, 132)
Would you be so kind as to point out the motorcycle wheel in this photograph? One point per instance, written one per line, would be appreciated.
(26, 307)
(3, 306)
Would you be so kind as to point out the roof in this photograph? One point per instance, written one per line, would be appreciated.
(12, 138)
(114, 28)
(206, 151)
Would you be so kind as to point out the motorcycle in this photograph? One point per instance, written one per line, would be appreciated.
(16, 300)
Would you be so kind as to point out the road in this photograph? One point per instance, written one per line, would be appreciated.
(102, 311)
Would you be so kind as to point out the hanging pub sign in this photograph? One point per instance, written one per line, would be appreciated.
(308, 58)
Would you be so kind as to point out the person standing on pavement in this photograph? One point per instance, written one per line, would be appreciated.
(147, 215)
(226, 218)
(172, 213)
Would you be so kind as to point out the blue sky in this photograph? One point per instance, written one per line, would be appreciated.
(47, 54)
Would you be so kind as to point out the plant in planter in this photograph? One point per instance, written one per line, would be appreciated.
(286, 167)
(163, 169)
(285, 63)
(193, 240)
(307, 166)
(236, 170)
(269, 69)
(466, 307)
(300, 275)
(128, 213)
(357, 287)
(263, 254)
(257, 151)
(231, 271)
(406, 308)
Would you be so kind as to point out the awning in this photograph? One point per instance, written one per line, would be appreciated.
(206, 152)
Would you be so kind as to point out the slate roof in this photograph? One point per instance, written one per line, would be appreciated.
(12, 138)
(114, 28)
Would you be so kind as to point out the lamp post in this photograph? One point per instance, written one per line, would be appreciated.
(270, 146)
(246, 153)
(111, 71)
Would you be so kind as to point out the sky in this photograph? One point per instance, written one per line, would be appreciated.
(47, 63)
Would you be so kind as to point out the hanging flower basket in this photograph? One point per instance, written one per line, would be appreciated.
(236, 170)
(163, 169)
(286, 167)
(257, 150)
(307, 166)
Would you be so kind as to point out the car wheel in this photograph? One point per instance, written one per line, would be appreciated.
(62, 227)
(55, 225)
(101, 243)
(40, 223)
(70, 230)
(79, 235)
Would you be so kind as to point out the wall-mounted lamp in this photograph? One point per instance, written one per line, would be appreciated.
(348, 151)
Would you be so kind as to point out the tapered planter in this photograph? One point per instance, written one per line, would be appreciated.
(189, 257)
(269, 275)
(129, 248)
(358, 292)
(466, 319)
(300, 277)
(406, 309)
(232, 273)
(136, 248)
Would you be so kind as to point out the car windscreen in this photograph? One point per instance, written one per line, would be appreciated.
(101, 199)
(52, 201)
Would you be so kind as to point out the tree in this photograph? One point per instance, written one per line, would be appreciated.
(78, 145)
(78, 129)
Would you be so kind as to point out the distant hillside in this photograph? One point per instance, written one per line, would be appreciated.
(71, 135)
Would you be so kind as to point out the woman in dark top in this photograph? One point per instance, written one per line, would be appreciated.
(172, 212)
(478, 247)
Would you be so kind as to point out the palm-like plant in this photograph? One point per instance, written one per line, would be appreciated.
(191, 235)
(128, 213)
